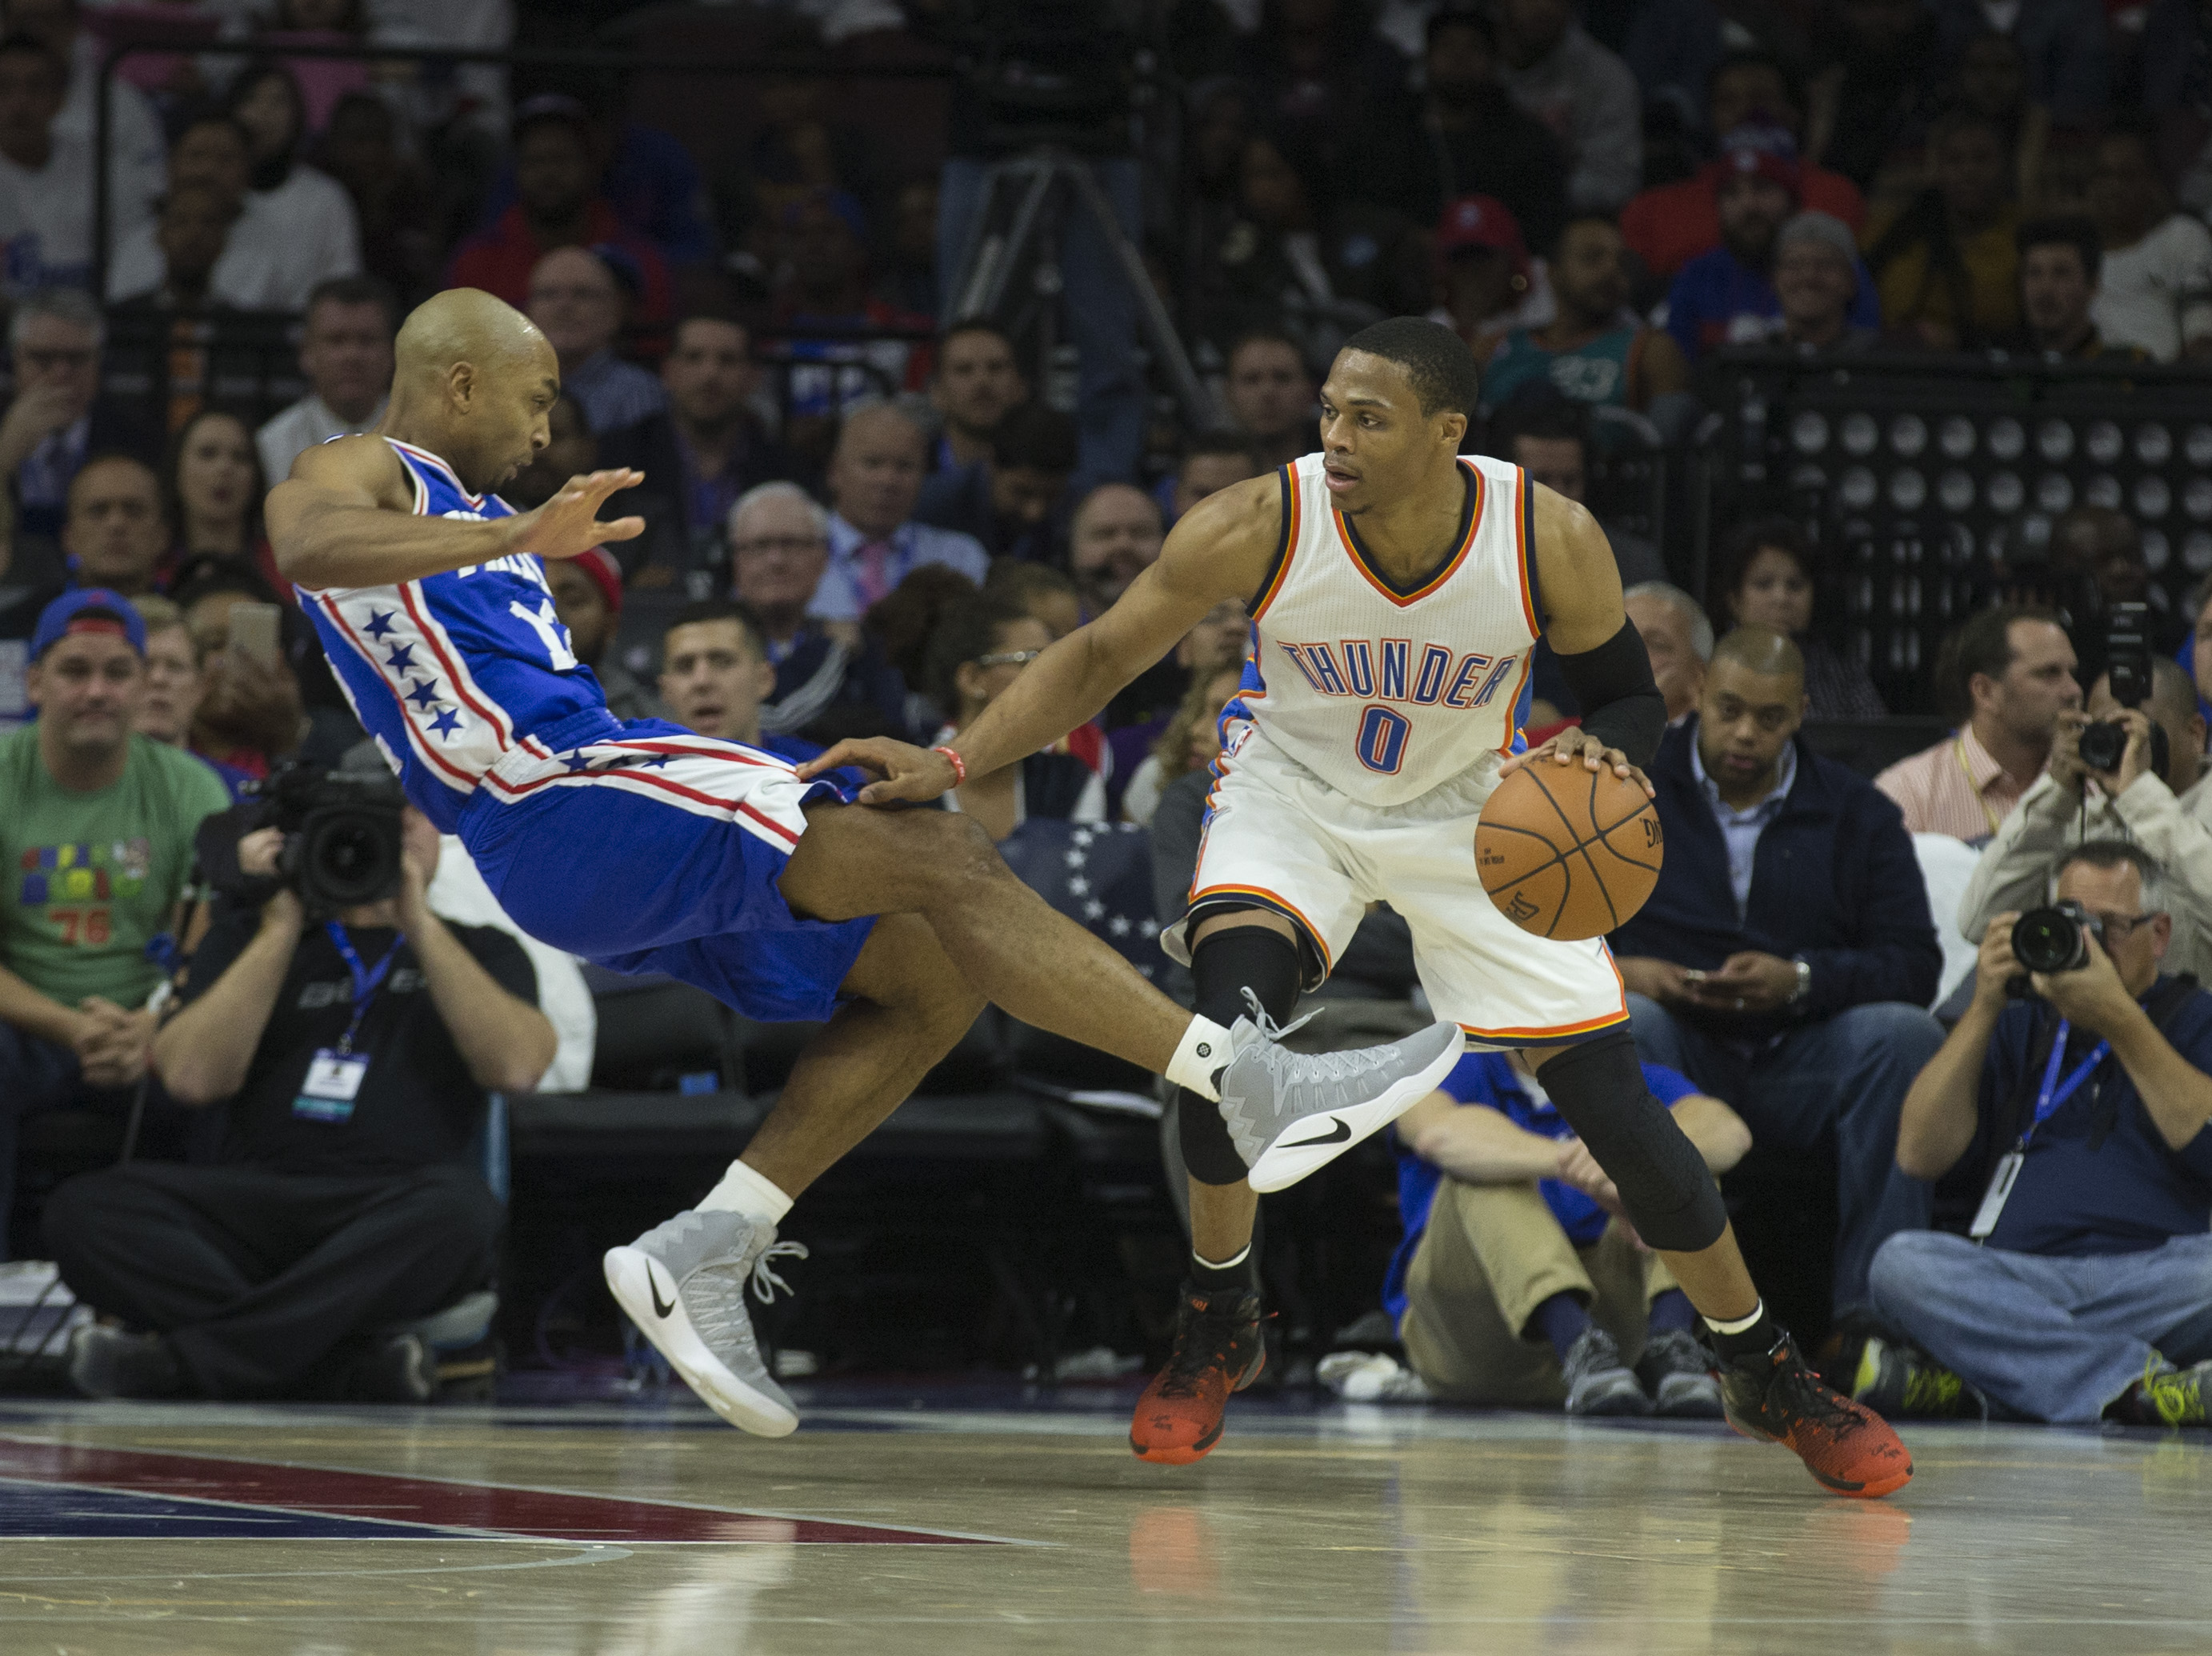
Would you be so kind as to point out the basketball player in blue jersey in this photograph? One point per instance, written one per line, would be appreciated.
(1397, 590)
(646, 847)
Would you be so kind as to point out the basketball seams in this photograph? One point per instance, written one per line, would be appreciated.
(1581, 848)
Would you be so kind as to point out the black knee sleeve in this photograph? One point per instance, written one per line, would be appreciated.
(1664, 1183)
(1226, 964)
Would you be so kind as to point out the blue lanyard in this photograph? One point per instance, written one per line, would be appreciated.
(368, 980)
(2055, 1092)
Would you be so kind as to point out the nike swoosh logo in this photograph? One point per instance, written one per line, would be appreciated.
(1343, 1132)
(662, 1309)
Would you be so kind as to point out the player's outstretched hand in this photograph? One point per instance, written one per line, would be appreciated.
(567, 525)
(910, 775)
(1569, 745)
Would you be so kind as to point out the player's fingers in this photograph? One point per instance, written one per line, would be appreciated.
(622, 529)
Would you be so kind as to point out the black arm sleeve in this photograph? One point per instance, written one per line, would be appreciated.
(1620, 701)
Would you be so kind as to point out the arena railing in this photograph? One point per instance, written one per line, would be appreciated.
(1932, 482)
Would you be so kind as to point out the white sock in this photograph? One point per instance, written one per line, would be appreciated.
(1203, 1049)
(1229, 1263)
(753, 1194)
(1742, 1325)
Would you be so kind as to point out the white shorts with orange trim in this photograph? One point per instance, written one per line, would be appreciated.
(1277, 837)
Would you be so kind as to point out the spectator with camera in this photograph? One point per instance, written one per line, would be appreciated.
(97, 843)
(2075, 1117)
(1783, 960)
(2118, 771)
(2014, 669)
(356, 1042)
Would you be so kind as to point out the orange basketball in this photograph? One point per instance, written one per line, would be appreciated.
(1566, 853)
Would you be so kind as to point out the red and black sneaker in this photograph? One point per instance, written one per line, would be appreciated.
(1845, 1445)
(1218, 1349)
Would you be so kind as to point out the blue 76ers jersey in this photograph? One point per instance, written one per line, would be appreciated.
(451, 672)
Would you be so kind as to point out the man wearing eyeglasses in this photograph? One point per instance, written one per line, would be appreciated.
(779, 547)
(57, 419)
(2066, 1128)
(95, 844)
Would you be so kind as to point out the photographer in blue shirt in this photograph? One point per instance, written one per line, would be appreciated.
(2074, 1119)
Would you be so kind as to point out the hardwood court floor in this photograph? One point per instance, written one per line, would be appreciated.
(916, 1522)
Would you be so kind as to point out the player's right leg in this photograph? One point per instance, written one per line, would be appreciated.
(1043, 968)
(684, 1283)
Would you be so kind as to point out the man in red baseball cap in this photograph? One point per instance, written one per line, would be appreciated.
(587, 596)
(1727, 296)
(1484, 264)
(1670, 224)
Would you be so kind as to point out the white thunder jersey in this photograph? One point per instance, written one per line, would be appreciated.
(1356, 759)
(1386, 694)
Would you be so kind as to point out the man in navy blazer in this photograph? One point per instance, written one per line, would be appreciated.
(1784, 958)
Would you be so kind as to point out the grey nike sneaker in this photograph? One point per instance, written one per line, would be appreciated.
(684, 1284)
(1290, 1112)
(1598, 1383)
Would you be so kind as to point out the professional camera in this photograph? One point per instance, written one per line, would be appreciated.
(2056, 938)
(2127, 662)
(1045, 72)
(342, 844)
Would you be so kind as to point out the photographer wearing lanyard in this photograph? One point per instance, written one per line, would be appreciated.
(2072, 1121)
(355, 1054)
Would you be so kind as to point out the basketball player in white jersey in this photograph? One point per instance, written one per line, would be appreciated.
(1397, 590)
(647, 847)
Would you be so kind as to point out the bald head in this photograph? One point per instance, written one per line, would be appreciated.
(1763, 651)
(463, 325)
(473, 383)
(1752, 704)
(875, 471)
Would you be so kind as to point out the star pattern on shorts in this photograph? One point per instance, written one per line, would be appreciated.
(379, 623)
(423, 694)
(402, 659)
(658, 761)
(576, 761)
(1079, 887)
(446, 723)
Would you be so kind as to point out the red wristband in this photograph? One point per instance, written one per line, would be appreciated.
(959, 765)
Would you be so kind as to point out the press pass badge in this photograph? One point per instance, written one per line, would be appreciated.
(1993, 1199)
(333, 1082)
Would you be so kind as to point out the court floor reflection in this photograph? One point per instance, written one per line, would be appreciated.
(961, 1527)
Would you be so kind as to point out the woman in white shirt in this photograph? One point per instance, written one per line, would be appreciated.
(305, 214)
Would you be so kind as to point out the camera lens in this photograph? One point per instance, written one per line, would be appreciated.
(349, 858)
(2103, 744)
(2049, 940)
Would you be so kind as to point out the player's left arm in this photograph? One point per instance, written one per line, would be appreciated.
(1600, 653)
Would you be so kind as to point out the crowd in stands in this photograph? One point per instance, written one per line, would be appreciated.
(868, 513)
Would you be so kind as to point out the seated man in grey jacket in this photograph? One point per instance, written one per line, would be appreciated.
(2169, 816)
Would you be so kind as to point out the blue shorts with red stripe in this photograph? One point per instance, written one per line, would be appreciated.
(645, 848)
